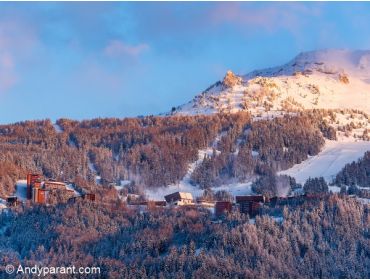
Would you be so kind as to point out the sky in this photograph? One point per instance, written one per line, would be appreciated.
(83, 60)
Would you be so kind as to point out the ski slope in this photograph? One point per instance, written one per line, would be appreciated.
(327, 164)
(185, 184)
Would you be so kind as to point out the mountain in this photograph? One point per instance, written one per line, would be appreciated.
(325, 79)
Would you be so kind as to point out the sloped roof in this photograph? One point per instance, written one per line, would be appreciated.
(178, 196)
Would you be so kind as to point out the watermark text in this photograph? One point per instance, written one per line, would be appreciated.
(42, 271)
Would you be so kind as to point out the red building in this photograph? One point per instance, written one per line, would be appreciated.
(250, 204)
(221, 207)
(40, 195)
(31, 180)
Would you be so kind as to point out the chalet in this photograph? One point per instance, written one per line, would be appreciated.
(179, 198)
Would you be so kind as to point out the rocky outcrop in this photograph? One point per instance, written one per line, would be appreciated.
(344, 78)
(231, 80)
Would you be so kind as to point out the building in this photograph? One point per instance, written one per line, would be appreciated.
(205, 203)
(40, 195)
(85, 197)
(221, 207)
(150, 203)
(179, 198)
(53, 185)
(32, 179)
(12, 201)
(250, 204)
(47, 192)
(287, 200)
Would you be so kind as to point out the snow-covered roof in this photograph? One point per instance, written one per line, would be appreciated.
(178, 196)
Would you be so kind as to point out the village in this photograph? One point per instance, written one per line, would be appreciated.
(51, 192)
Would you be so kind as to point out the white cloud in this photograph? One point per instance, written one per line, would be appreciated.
(116, 48)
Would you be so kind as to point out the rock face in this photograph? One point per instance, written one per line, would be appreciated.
(344, 78)
(230, 80)
(328, 79)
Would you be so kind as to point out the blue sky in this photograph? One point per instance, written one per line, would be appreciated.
(116, 59)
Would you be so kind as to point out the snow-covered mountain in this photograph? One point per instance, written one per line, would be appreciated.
(326, 79)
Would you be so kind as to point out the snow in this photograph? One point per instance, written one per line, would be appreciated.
(58, 128)
(93, 170)
(119, 188)
(363, 200)
(125, 182)
(21, 190)
(2, 204)
(122, 185)
(311, 80)
(334, 189)
(71, 187)
(98, 179)
(72, 143)
(278, 219)
(334, 156)
(91, 167)
(255, 153)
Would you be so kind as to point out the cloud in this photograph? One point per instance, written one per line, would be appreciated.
(116, 48)
(8, 77)
(271, 17)
(17, 40)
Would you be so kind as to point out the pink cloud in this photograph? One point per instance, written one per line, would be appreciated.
(116, 48)
(17, 40)
(269, 17)
(8, 77)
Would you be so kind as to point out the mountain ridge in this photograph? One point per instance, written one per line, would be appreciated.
(324, 79)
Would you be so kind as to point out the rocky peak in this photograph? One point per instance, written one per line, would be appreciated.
(231, 79)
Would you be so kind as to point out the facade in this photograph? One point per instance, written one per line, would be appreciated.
(32, 179)
(222, 207)
(40, 195)
(250, 204)
(51, 184)
(206, 203)
(84, 197)
(179, 198)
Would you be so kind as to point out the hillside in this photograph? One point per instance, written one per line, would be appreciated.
(336, 82)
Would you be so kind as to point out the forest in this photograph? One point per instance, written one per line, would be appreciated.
(326, 238)
(356, 173)
(156, 151)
